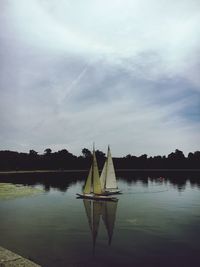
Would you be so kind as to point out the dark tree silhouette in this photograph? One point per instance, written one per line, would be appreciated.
(86, 153)
(100, 154)
(47, 151)
(197, 155)
(33, 153)
(64, 160)
(128, 156)
(64, 152)
(177, 155)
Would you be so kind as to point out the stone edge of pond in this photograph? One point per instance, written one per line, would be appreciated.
(11, 259)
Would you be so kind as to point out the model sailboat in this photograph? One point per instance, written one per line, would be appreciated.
(92, 188)
(108, 178)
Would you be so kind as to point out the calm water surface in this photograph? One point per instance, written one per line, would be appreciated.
(154, 223)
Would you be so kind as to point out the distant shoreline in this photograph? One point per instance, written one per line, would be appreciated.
(117, 170)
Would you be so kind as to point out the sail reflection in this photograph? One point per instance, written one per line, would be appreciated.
(96, 210)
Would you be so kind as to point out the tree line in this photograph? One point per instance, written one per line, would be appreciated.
(63, 180)
(64, 160)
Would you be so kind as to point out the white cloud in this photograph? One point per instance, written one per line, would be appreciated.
(118, 72)
(124, 27)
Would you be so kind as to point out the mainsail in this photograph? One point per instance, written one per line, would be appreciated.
(104, 175)
(93, 184)
(108, 177)
(88, 183)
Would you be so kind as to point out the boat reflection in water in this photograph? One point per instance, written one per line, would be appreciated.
(96, 210)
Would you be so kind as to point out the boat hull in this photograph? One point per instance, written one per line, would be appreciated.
(109, 193)
(97, 197)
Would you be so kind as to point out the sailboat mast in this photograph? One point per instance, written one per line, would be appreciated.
(93, 155)
(96, 181)
(106, 175)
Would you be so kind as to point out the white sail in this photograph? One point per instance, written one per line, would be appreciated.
(103, 176)
(88, 184)
(111, 182)
(93, 184)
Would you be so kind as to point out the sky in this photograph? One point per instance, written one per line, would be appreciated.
(118, 72)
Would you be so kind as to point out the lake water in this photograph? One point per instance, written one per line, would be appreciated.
(155, 222)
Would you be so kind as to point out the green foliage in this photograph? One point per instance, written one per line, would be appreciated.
(8, 191)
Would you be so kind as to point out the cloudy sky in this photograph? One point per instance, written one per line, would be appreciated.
(124, 73)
